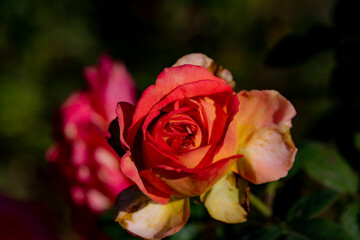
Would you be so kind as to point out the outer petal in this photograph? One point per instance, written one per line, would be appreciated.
(193, 182)
(130, 170)
(200, 59)
(124, 112)
(228, 199)
(145, 218)
(264, 136)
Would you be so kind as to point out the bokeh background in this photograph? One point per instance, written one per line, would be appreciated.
(307, 50)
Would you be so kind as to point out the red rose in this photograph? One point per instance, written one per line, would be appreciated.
(180, 139)
(186, 137)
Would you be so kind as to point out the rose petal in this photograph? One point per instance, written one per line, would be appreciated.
(226, 144)
(130, 170)
(154, 156)
(186, 91)
(193, 182)
(228, 199)
(168, 81)
(200, 59)
(145, 218)
(110, 83)
(264, 136)
(124, 112)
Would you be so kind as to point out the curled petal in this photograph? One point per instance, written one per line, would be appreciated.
(145, 218)
(228, 199)
(124, 112)
(264, 136)
(130, 170)
(200, 59)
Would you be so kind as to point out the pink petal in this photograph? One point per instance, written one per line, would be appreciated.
(110, 83)
(264, 136)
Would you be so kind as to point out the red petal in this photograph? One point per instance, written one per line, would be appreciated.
(124, 112)
(130, 170)
(167, 82)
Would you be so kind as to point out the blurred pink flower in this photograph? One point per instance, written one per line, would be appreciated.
(88, 167)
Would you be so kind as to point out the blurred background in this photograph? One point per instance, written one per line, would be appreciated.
(307, 50)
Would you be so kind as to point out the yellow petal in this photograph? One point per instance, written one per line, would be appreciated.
(148, 219)
(228, 199)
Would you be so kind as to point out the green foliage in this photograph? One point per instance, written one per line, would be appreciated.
(324, 229)
(265, 233)
(310, 206)
(350, 219)
(328, 167)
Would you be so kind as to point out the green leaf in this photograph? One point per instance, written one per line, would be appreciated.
(324, 229)
(328, 167)
(310, 206)
(350, 220)
(295, 236)
(266, 233)
(111, 228)
(188, 232)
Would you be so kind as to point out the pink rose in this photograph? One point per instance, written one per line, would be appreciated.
(89, 166)
(186, 136)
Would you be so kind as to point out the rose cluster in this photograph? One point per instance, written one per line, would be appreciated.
(189, 135)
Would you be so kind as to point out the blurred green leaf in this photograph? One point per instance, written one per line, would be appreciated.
(357, 140)
(198, 210)
(294, 49)
(266, 233)
(328, 167)
(310, 206)
(188, 232)
(296, 236)
(324, 229)
(113, 229)
(350, 220)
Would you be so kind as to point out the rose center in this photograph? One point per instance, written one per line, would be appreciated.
(180, 136)
(177, 133)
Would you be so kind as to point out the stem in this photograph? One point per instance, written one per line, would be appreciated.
(270, 193)
(260, 206)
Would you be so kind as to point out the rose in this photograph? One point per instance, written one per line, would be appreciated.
(88, 167)
(185, 137)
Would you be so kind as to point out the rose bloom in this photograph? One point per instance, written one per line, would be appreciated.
(191, 135)
(88, 168)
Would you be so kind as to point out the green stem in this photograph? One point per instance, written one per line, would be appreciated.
(270, 193)
(260, 206)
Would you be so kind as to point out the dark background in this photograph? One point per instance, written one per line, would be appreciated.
(307, 50)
